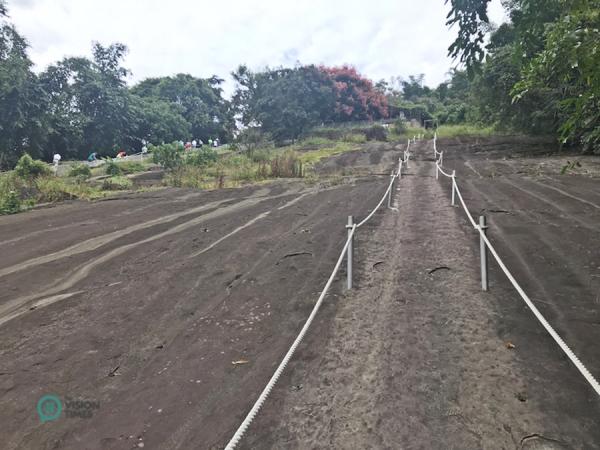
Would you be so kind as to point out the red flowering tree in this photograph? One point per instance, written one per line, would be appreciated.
(356, 96)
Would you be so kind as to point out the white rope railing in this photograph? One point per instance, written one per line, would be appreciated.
(539, 316)
(286, 359)
(282, 365)
(386, 194)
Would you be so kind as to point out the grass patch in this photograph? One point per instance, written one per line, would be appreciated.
(18, 194)
(117, 183)
(54, 189)
(315, 156)
(444, 131)
(409, 133)
(129, 167)
(236, 170)
(450, 131)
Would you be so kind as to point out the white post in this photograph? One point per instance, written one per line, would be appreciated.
(483, 255)
(436, 171)
(389, 199)
(349, 253)
(453, 188)
(400, 170)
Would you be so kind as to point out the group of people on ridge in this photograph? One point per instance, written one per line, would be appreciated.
(193, 144)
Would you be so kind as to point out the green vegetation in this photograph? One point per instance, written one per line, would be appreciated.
(256, 165)
(450, 131)
(29, 168)
(117, 183)
(81, 171)
(332, 149)
(32, 182)
(202, 157)
(287, 103)
(112, 168)
(130, 167)
(169, 156)
(539, 72)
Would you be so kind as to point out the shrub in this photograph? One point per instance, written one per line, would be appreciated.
(30, 168)
(252, 138)
(112, 168)
(10, 204)
(376, 133)
(400, 127)
(260, 156)
(117, 183)
(128, 167)
(52, 189)
(202, 157)
(168, 155)
(82, 171)
(355, 138)
(286, 165)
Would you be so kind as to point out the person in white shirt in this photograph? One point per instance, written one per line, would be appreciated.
(56, 160)
(194, 143)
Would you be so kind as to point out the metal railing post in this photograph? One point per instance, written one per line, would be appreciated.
(349, 253)
(400, 170)
(483, 254)
(389, 199)
(436, 170)
(453, 203)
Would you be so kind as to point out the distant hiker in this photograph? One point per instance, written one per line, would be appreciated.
(216, 142)
(200, 143)
(121, 154)
(93, 157)
(56, 161)
(188, 146)
(210, 142)
(194, 143)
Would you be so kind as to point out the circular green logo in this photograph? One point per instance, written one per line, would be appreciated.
(49, 408)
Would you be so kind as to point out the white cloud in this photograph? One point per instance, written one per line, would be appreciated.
(382, 38)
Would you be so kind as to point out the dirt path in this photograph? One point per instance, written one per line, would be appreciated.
(418, 360)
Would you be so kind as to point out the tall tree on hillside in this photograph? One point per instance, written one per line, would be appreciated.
(89, 102)
(357, 98)
(22, 102)
(566, 72)
(541, 68)
(284, 102)
(199, 101)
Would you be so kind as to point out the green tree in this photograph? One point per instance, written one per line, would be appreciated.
(89, 103)
(566, 73)
(284, 102)
(199, 101)
(22, 101)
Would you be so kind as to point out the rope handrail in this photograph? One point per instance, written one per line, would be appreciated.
(536, 312)
(442, 171)
(378, 204)
(241, 430)
(284, 362)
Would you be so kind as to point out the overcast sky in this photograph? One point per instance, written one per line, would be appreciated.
(381, 38)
